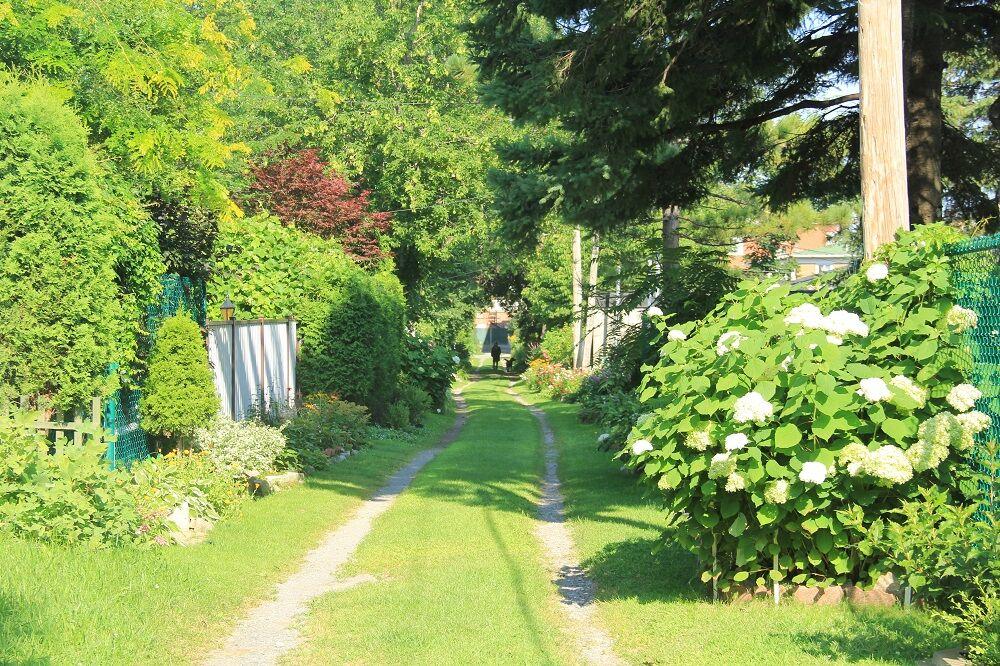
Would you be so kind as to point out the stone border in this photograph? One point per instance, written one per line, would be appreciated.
(571, 579)
(268, 631)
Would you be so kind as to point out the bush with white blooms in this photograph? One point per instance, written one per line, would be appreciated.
(783, 428)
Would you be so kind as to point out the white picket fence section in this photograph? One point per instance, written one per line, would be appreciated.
(261, 366)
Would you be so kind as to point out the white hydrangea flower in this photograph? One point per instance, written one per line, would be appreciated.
(641, 446)
(874, 389)
(752, 407)
(735, 482)
(963, 397)
(786, 363)
(910, 389)
(456, 359)
(853, 455)
(654, 311)
(722, 465)
(961, 318)
(936, 436)
(888, 464)
(676, 334)
(813, 472)
(806, 315)
(699, 440)
(835, 340)
(877, 271)
(842, 323)
(776, 492)
(729, 341)
(603, 437)
(974, 421)
(736, 441)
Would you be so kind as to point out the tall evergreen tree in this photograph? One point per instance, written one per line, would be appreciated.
(653, 102)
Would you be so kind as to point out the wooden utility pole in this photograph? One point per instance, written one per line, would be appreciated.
(671, 243)
(577, 292)
(885, 209)
(585, 355)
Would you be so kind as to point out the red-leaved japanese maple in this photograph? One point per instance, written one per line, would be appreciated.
(303, 191)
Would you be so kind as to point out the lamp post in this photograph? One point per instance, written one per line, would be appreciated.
(227, 310)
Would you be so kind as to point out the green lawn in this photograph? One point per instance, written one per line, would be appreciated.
(459, 568)
(655, 607)
(166, 605)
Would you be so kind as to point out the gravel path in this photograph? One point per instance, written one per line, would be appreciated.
(269, 631)
(575, 587)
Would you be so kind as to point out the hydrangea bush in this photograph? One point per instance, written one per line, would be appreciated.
(783, 426)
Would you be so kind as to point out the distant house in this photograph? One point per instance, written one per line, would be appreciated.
(492, 325)
(813, 252)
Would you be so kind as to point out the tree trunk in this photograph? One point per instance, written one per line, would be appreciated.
(885, 208)
(577, 291)
(669, 236)
(923, 72)
(587, 359)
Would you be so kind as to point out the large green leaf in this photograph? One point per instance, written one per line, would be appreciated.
(787, 436)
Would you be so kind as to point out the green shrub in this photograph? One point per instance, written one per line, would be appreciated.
(397, 416)
(783, 426)
(416, 400)
(351, 323)
(239, 449)
(179, 393)
(977, 619)
(553, 379)
(939, 549)
(66, 496)
(557, 343)
(78, 255)
(322, 427)
(612, 408)
(356, 350)
(522, 354)
(162, 483)
(950, 556)
(431, 367)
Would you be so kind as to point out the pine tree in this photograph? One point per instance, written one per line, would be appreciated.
(654, 102)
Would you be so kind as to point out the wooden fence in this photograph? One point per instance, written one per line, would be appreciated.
(74, 429)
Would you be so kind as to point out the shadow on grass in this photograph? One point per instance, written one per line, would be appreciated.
(875, 634)
(645, 570)
(16, 629)
(517, 582)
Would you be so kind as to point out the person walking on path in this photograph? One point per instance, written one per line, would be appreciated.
(495, 353)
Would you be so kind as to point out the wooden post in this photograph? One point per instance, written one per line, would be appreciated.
(587, 354)
(577, 293)
(77, 424)
(885, 208)
(715, 568)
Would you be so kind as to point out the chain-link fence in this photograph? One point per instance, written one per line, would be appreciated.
(121, 410)
(976, 276)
